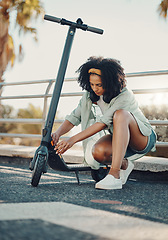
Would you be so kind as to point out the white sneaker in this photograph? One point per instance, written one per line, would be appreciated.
(109, 182)
(125, 173)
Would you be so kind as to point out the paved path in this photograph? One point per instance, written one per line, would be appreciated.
(98, 223)
(59, 208)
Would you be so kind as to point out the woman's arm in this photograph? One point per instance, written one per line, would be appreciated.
(65, 127)
(64, 145)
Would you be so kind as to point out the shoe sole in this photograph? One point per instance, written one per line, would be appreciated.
(108, 188)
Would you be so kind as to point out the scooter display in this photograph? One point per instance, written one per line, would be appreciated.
(45, 154)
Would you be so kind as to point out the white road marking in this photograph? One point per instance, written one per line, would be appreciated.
(93, 221)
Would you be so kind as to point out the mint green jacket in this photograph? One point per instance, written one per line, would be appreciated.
(125, 100)
(84, 112)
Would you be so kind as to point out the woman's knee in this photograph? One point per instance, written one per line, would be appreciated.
(121, 115)
(98, 152)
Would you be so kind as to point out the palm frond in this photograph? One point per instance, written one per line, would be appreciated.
(163, 8)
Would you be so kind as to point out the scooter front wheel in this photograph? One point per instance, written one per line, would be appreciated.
(38, 170)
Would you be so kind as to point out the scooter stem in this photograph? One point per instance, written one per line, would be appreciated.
(46, 132)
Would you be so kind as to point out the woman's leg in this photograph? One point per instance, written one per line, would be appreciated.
(125, 132)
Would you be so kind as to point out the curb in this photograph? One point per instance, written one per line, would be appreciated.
(23, 155)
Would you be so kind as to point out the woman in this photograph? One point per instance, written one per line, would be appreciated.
(130, 134)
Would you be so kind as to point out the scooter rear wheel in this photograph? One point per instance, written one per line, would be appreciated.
(38, 170)
(99, 174)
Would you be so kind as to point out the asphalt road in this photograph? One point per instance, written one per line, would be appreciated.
(147, 200)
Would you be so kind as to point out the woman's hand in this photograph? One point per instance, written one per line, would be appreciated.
(55, 137)
(64, 145)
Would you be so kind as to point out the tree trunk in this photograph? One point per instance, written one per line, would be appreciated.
(4, 54)
(4, 58)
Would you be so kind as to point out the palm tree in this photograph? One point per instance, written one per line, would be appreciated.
(163, 8)
(26, 11)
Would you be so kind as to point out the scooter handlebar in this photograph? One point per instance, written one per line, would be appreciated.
(95, 30)
(77, 25)
(51, 18)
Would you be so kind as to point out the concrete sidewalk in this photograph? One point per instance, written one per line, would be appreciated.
(26, 153)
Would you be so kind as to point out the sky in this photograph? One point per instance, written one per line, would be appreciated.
(134, 33)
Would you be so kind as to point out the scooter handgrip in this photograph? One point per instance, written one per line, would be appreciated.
(95, 30)
(51, 18)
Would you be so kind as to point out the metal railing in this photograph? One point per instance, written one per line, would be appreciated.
(47, 95)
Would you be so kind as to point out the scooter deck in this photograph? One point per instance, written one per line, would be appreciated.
(57, 162)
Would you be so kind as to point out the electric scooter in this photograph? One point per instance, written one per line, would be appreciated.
(45, 154)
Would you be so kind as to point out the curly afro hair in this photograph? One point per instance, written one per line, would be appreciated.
(112, 76)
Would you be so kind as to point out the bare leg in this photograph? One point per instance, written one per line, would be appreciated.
(125, 132)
